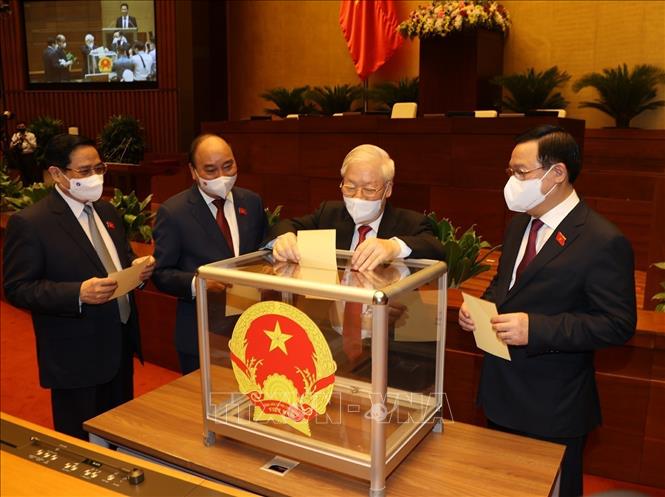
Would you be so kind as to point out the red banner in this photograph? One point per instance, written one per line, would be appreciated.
(370, 30)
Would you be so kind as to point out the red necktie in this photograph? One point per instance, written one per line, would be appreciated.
(223, 223)
(530, 251)
(352, 336)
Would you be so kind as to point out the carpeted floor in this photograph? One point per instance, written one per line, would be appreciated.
(21, 395)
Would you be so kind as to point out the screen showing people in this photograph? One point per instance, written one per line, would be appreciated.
(81, 41)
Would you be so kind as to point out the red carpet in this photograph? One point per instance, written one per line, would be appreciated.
(22, 396)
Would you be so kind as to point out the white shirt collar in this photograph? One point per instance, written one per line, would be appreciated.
(74, 205)
(209, 200)
(556, 214)
(374, 224)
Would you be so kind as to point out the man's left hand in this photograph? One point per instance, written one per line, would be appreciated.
(513, 328)
(372, 252)
(147, 271)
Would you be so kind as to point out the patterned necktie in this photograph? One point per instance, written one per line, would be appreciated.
(107, 260)
(530, 251)
(223, 224)
(352, 335)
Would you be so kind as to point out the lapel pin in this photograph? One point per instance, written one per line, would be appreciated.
(242, 211)
(110, 225)
(561, 238)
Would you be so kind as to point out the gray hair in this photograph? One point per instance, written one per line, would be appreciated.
(370, 154)
(89, 37)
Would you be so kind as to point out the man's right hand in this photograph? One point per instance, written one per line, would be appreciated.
(97, 290)
(465, 320)
(285, 248)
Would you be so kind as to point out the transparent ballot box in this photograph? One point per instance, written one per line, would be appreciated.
(337, 368)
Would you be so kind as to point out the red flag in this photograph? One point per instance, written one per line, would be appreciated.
(370, 29)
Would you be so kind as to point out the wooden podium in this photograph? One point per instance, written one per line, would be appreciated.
(455, 71)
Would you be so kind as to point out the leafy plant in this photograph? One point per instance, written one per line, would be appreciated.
(533, 90)
(122, 140)
(26, 195)
(332, 100)
(135, 215)
(9, 187)
(462, 254)
(389, 92)
(273, 217)
(624, 95)
(660, 296)
(288, 101)
(44, 128)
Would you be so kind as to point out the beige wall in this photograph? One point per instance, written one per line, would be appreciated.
(291, 43)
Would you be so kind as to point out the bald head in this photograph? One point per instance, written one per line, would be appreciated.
(211, 157)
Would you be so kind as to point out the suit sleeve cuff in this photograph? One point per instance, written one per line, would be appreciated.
(404, 249)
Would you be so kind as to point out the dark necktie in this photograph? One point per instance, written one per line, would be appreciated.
(223, 223)
(352, 334)
(107, 260)
(530, 251)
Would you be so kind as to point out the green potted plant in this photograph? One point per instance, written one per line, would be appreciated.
(389, 93)
(533, 90)
(15, 196)
(462, 254)
(273, 216)
(623, 94)
(122, 140)
(336, 99)
(44, 128)
(135, 215)
(660, 296)
(287, 101)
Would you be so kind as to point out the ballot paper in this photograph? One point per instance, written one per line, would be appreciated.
(481, 311)
(128, 279)
(318, 259)
(317, 249)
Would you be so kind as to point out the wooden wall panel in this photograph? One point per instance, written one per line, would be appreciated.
(89, 110)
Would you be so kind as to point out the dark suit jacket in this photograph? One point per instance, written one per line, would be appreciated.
(580, 296)
(409, 226)
(85, 50)
(186, 237)
(47, 256)
(51, 58)
(132, 22)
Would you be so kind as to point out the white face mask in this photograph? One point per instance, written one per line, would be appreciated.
(218, 187)
(522, 195)
(87, 189)
(363, 211)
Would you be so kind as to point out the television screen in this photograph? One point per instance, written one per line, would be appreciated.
(95, 42)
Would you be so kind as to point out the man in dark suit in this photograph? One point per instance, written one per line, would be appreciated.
(384, 232)
(211, 221)
(564, 288)
(86, 49)
(57, 257)
(125, 20)
(51, 60)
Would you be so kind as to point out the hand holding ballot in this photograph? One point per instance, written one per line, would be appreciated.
(481, 317)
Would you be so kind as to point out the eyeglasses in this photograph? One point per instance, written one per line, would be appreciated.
(350, 190)
(523, 173)
(84, 172)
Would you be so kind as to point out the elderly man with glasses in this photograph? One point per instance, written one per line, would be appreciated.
(365, 222)
(57, 257)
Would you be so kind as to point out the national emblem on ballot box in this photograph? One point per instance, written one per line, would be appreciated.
(333, 368)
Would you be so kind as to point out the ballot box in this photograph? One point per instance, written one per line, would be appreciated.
(334, 367)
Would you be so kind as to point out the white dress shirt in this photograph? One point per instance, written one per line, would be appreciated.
(551, 220)
(230, 215)
(405, 250)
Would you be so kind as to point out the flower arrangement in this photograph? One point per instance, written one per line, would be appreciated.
(442, 17)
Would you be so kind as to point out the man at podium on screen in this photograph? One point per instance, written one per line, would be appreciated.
(211, 221)
(365, 222)
(563, 289)
(125, 20)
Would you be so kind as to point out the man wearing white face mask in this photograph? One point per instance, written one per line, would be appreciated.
(564, 288)
(365, 222)
(211, 221)
(57, 257)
